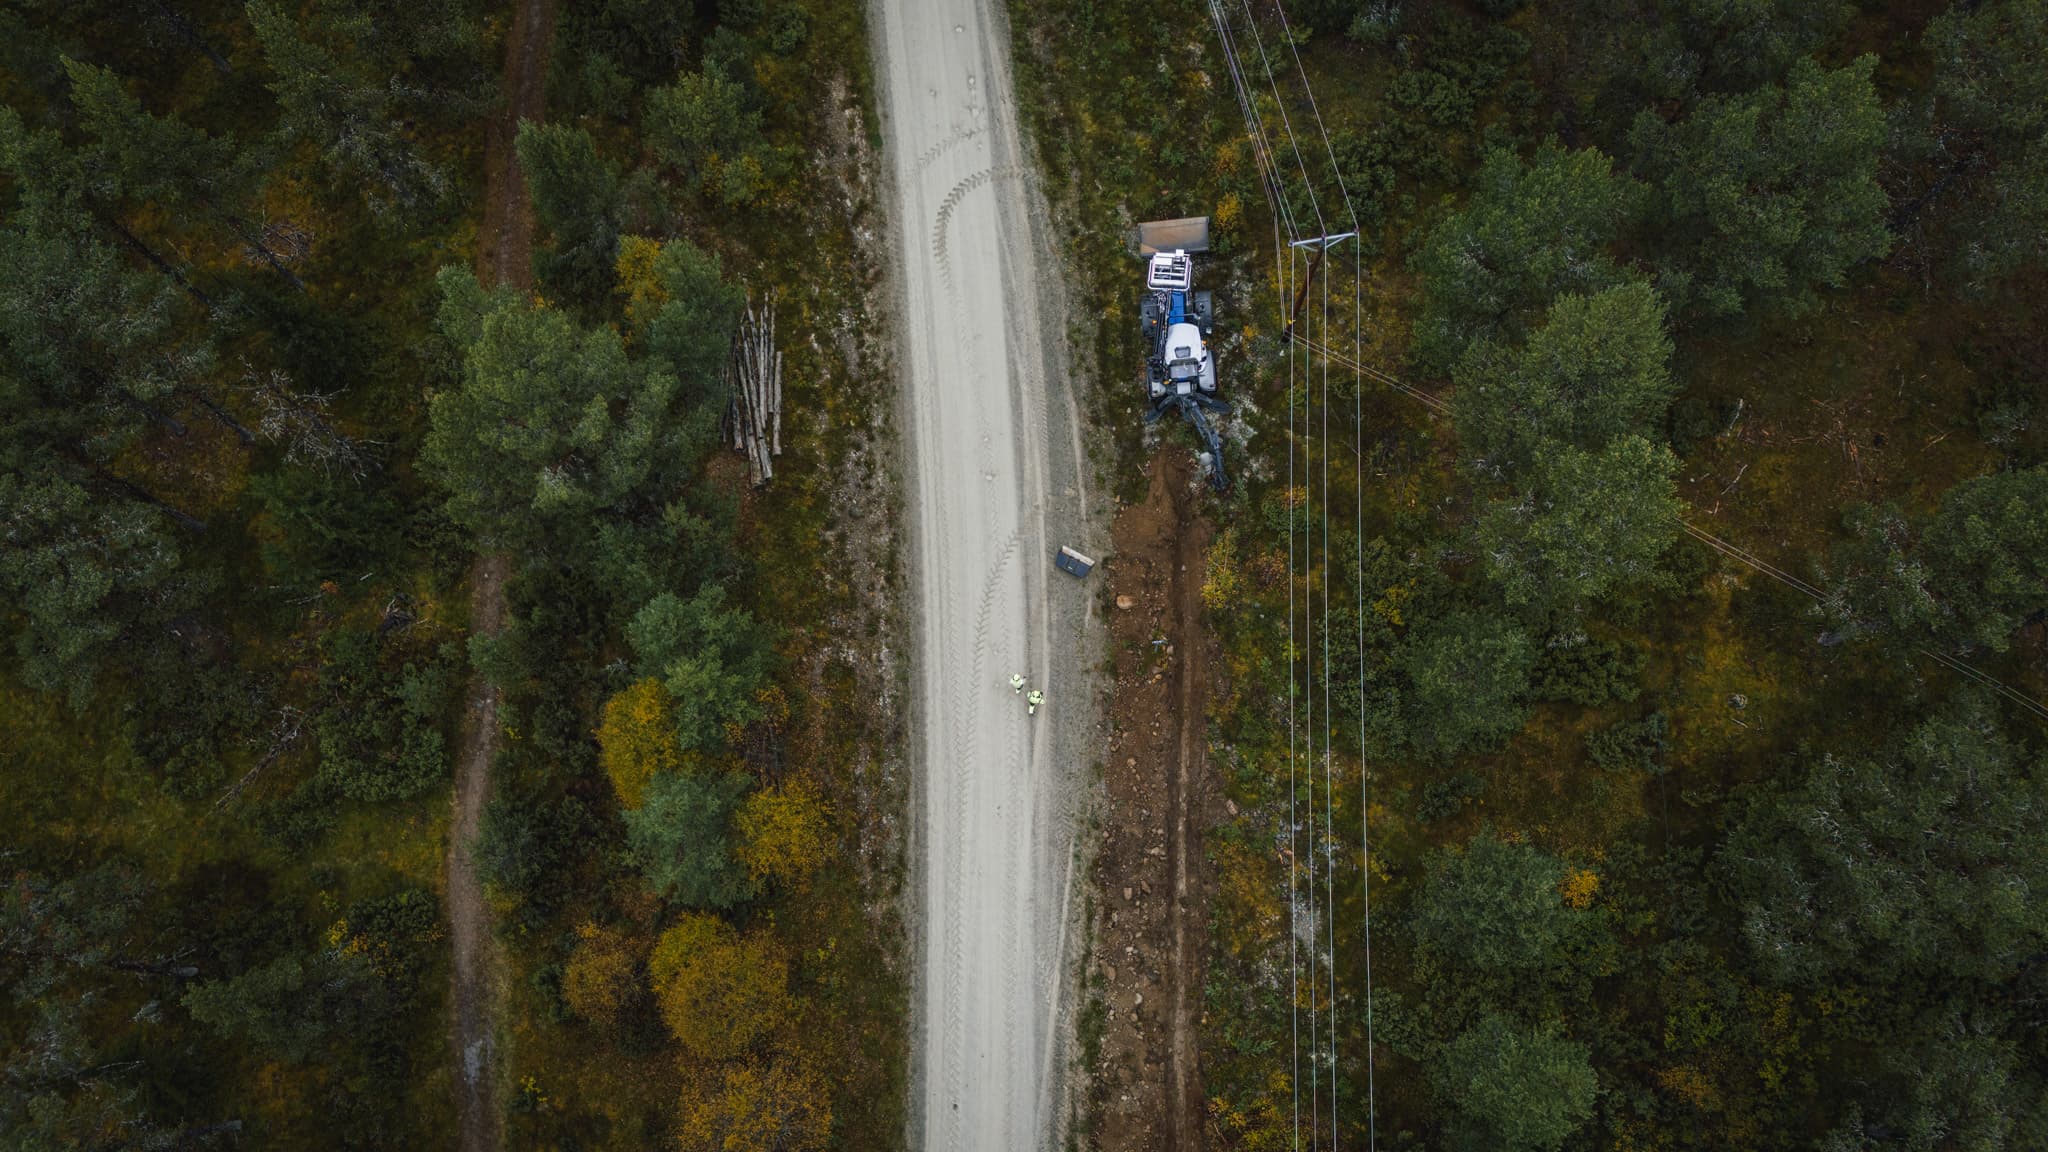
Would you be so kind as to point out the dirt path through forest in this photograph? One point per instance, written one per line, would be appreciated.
(469, 924)
(505, 243)
(504, 256)
(1151, 885)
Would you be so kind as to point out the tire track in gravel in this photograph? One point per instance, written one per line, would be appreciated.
(980, 179)
(965, 715)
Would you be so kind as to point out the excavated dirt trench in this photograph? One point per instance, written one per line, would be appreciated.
(1151, 882)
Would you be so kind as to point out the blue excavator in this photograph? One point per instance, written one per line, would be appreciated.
(1176, 321)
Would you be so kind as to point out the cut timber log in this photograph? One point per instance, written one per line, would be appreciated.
(753, 414)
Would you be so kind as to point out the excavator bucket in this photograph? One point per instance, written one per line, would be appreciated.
(1187, 234)
(1212, 456)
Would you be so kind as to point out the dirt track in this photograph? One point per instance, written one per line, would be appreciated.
(504, 256)
(505, 242)
(469, 925)
(1150, 925)
(997, 485)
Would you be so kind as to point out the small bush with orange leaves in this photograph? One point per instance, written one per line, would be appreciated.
(638, 740)
(785, 833)
(721, 992)
(602, 975)
(780, 1104)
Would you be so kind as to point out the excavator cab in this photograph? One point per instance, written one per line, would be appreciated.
(1176, 324)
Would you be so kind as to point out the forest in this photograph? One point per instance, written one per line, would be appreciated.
(1631, 608)
(303, 457)
(1628, 730)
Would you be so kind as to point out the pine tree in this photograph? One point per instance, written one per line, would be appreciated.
(1529, 233)
(1764, 198)
(1496, 906)
(549, 424)
(681, 837)
(1582, 526)
(1987, 134)
(1597, 369)
(1511, 1088)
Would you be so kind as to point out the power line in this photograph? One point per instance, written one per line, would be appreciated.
(1286, 125)
(1429, 400)
(1309, 568)
(1269, 169)
(1364, 785)
(2012, 694)
(1329, 804)
(1272, 182)
(1308, 691)
(1733, 552)
(1950, 662)
(1277, 196)
(1329, 769)
(1293, 816)
(1294, 822)
(1263, 153)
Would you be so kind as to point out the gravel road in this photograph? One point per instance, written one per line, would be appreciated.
(997, 484)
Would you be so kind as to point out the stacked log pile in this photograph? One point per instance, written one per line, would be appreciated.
(753, 416)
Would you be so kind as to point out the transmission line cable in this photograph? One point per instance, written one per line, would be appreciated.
(1364, 785)
(1286, 123)
(1357, 279)
(1273, 184)
(2012, 694)
(1270, 182)
(1293, 710)
(1294, 821)
(1329, 757)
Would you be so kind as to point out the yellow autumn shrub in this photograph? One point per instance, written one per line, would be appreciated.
(637, 740)
(1578, 887)
(785, 833)
(639, 279)
(1222, 583)
(778, 1105)
(720, 992)
(601, 975)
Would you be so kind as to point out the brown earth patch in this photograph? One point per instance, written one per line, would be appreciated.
(1151, 885)
(474, 1028)
(505, 244)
